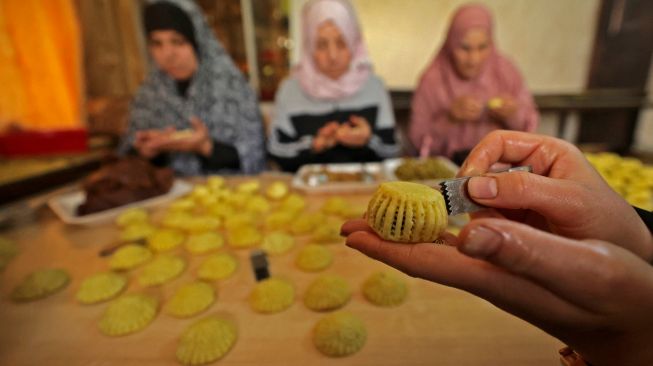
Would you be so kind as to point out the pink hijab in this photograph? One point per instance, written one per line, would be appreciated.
(441, 84)
(317, 85)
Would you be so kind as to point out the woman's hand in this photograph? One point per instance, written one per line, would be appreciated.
(565, 196)
(592, 295)
(466, 109)
(196, 140)
(356, 133)
(146, 141)
(325, 137)
(505, 109)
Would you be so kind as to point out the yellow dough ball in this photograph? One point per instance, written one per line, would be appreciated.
(385, 289)
(407, 212)
(205, 341)
(313, 258)
(272, 295)
(327, 292)
(339, 334)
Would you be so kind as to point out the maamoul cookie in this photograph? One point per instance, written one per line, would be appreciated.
(205, 341)
(101, 287)
(137, 231)
(327, 232)
(306, 222)
(40, 284)
(313, 258)
(161, 270)
(277, 190)
(132, 216)
(277, 243)
(204, 243)
(257, 204)
(293, 202)
(129, 256)
(191, 299)
(279, 220)
(176, 219)
(249, 187)
(244, 237)
(200, 224)
(407, 212)
(339, 334)
(385, 289)
(217, 267)
(182, 204)
(165, 239)
(128, 314)
(334, 206)
(328, 292)
(272, 295)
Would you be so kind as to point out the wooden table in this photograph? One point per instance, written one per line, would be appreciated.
(437, 325)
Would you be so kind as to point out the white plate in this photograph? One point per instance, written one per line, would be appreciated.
(65, 205)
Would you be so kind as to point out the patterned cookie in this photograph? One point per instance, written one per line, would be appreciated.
(276, 243)
(191, 299)
(217, 267)
(132, 216)
(161, 270)
(129, 256)
(128, 314)
(407, 212)
(385, 289)
(277, 190)
(165, 239)
(327, 292)
(272, 295)
(339, 334)
(204, 243)
(205, 341)
(101, 287)
(40, 284)
(313, 258)
(244, 237)
(306, 223)
(136, 231)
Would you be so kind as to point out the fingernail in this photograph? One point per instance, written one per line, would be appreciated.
(481, 242)
(482, 187)
(469, 171)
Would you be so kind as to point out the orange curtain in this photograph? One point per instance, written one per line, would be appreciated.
(40, 54)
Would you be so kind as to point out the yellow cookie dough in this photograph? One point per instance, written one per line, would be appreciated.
(128, 314)
(40, 284)
(204, 243)
(279, 220)
(165, 239)
(327, 232)
(244, 237)
(339, 334)
(334, 206)
(101, 287)
(206, 341)
(272, 295)
(132, 216)
(385, 289)
(136, 231)
(200, 224)
(217, 267)
(293, 202)
(306, 222)
(313, 258)
(191, 299)
(258, 205)
(407, 212)
(277, 190)
(129, 256)
(328, 292)
(161, 270)
(277, 243)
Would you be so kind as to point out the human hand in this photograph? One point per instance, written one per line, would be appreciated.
(594, 296)
(356, 133)
(504, 110)
(465, 109)
(325, 137)
(196, 140)
(146, 142)
(565, 196)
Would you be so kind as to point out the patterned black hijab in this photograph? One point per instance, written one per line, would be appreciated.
(218, 94)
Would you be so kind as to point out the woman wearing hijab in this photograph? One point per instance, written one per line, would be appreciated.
(332, 108)
(468, 90)
(195, 112)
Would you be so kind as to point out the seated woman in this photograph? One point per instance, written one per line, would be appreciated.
(195, 112)
(332, 108)
(468, 90)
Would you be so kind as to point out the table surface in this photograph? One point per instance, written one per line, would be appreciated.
(437, 325)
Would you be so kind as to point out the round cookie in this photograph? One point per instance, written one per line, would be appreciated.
(128, 314)
(204, 242)
(40, 284)
(165, 239)
(272, 295)
(161, 270)
(191, 299)
(132, 216)
(129, 256)
(339, 334)
(100, 287)
(328, 292)
(407, 212)
(205, 341)
(276, 243)
(217, 267)
(385, 289)
(313, 258)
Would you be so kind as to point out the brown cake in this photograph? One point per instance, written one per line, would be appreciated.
(124, 181)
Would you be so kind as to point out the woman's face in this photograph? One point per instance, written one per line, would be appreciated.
(173, 54)
(331, 54)
(470, 54)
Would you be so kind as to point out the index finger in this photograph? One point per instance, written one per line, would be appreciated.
(521, 148)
